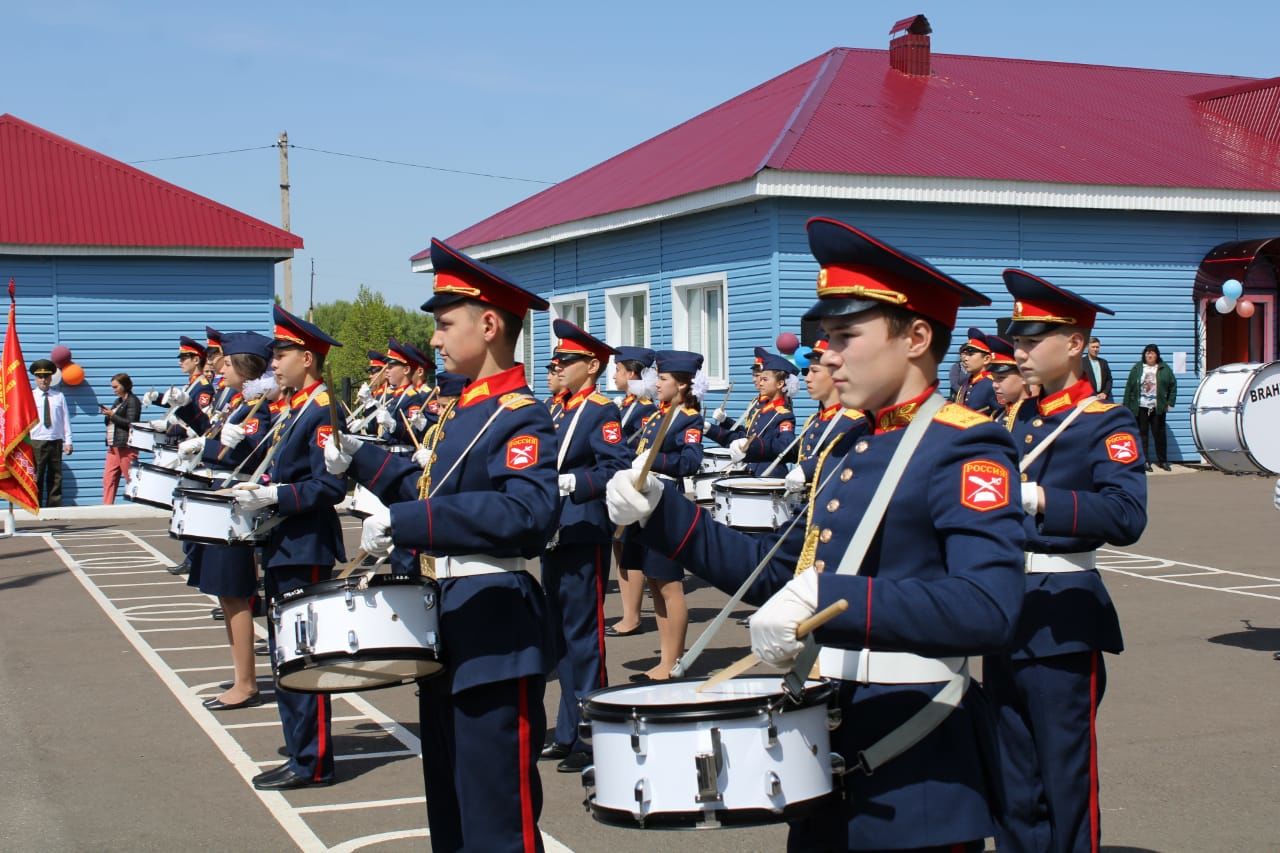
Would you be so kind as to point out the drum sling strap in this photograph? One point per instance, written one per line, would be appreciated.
(940, 706)
(1053, 436)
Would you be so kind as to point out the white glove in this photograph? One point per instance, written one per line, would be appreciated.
(1030, 497)
(375, 534)
(738, 449)
(178, 397)
(385, 419)
(365, 393)
(253, 497)
(629, 505)
(795, 480)
(160, 424)
(719, 415)
(568, 482)
(337, 454)
(422, 457)
(231, 435)
(354, 423)
(191, 448)
(773, 626)
(418, 422)
(1277, 495)
(150, 398)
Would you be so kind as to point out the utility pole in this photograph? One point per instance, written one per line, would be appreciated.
(283, 144)
(311, 303)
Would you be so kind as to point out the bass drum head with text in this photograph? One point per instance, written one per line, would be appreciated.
(1235, 418)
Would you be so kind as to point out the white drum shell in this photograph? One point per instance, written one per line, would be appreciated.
(153, 485)
(1235, 418)
(165, 455)
(715, 459)
(341, 623)
(647, 766)
(702, 486)
(365, 503)
(751, 503)
(141, 436)
(215, 519)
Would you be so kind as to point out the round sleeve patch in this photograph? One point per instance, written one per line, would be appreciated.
(522, 452)
(984, 485)
(1122, 447)
(612, 432)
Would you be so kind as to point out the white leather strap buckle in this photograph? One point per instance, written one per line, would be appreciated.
(470, 565)
(869, 667)
(1081, 561)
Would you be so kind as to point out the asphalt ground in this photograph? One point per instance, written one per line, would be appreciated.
(106, 657)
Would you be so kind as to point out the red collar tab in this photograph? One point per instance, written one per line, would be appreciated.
(503, 382)
(301, 397)
(1064, 399)
(629, 399)
(577, 399)
(897, 417)
(830, 412)
(236, 399)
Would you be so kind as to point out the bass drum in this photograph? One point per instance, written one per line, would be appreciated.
(1235, 418)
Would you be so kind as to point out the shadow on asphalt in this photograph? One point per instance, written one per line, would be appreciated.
(28, 580)
(1252, 638)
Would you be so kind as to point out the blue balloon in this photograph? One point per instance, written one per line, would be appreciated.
(1232, 289)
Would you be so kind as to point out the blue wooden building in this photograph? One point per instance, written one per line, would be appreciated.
(695, 238)
(116, 264)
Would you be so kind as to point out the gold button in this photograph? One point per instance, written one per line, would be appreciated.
(434, 457)
(860, 447)
(819, 565)
(833, 505)
(1028, 439)
(1024, 478)
(825, 535)
(1038, 422)
(846, 475)
(452, 415)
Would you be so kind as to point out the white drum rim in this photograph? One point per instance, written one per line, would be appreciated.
(748, 485)
(1249, 372)
(598, 707)
(286, 671)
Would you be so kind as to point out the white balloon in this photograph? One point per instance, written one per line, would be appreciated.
(56, 379)
(1223, 305)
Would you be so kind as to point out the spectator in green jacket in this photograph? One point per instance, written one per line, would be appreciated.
(1150, 393)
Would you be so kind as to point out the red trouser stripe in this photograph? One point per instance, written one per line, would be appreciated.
(523, 770)
(322, 743)
(604, 677)
(1095, 832)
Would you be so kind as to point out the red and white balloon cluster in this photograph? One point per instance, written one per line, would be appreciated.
(1231, 300)
(68, 371)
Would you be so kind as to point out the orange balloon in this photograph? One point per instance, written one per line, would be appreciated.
(73, 374)
(1245, 308)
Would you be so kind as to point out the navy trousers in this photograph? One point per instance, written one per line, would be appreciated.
(575, 577)
(1046, 712)
(308, 737)
(480, 764)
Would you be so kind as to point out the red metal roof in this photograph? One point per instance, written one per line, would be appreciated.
(848, 112)
(54, 192)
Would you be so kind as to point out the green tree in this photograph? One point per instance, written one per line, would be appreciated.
(366, 324)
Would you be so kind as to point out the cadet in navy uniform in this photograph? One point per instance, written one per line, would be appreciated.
(185, 403)
(723, 429)
(403, 398)
(773, 430)
(825, 426)
(679, 456)
(555, 393)
(229, 571)
(977, 391)
(1085, 489)
(1011, 388)
(575, 568)
(941, 580)
(630, 365)
(303, 548)
(492, 503)
(213, 359)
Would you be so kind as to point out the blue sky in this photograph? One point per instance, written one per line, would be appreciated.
(529, 90)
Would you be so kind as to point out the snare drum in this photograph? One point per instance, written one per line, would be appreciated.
(756, 504)
(1234, 418)
(154, 485)
(739, 754)
(715, 459)
(165, 455)
(203, 515)
(702, 486)
(143, 436)
(335, 637)
(363, 502)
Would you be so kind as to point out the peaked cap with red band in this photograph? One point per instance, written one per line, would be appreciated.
(459, 277)
(758, 363)
(396, 351)
(820, 346)
(575, 341)
(859, 272)
(213, 338)
(977, 340)
(1001, 355)
(376, 359)
(1040, 306)
(293, 331)
(421, 357)
(190, 346)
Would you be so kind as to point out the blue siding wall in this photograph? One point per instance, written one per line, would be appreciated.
(125, 315)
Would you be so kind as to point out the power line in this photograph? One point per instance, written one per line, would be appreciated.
(205, 154)
(421, 166)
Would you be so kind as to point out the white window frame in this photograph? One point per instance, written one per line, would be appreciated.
(527, 357)
(680, 319)
(613, 317)
(558, 303)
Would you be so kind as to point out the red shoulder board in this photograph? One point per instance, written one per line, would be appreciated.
(984, 485)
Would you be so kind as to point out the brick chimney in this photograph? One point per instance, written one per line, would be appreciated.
(909, 51)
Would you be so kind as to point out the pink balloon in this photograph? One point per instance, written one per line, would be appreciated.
(787, 343)
(1245, 308)
(60, 355)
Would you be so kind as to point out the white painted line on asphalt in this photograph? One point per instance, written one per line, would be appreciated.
(159, 597)
(1187, 574)
(270, 723)
(1252, 586)
(398, 753)
(366, 804)
(222, 646)
(274, 801)
(218, 627)
(1106, 557)
(210, 668)
(140, 583)
(138, 572)
(382, 837)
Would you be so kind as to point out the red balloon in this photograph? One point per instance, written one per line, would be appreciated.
(72, 374)
(1245, 308)
(60, 356)
(787, 343)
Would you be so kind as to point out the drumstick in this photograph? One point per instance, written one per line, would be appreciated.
(649, 458)
(344, 405)
(253, 410)
(417, 445)
(774, 464)
(815, 621)
(334, 419)
(354, 564)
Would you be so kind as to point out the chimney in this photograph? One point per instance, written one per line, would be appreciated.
(909, 52)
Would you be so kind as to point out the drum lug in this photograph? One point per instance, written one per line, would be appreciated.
(429, 599)
(772, 786)
(771, 732)
(637, 745)
(352, 642)
(643, 796)
(834, 718)
(351, 600)
(584, 731)
(709, 765)
(588, 787)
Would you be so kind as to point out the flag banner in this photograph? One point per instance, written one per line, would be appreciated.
(17, 417)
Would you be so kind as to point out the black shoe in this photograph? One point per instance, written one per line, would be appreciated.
(1165, 466)
(181, 568)
(283, 778)
(611, 631)
(215, 704)
(216, 614)
(261, 649)
(575, 763)
(1148, 467)
(640, 678)
(554, 752)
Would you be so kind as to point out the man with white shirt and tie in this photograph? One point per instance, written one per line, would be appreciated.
(51, 436)
(1097, 371)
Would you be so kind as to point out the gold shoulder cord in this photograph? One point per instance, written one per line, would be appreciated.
(810, 547)
(749, 420)
(425, 561)
(800, 446)
(1010, 415)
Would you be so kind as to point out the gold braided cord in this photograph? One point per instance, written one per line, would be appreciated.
(429, 441)
(809, 549)
(800, 449)
(1011, 415)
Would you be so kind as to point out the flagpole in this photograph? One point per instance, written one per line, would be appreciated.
(10, 523)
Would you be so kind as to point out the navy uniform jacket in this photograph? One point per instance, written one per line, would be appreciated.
(192, 414)
(255, 432)
(943, 577)
(596, 452)
(771, 431)
(812, 439)
(1095, 494)
(405, 403)
(978, 393)
(723, 433)
(1006, 415)
(310, 534)
(634, 410)
(680, 456)
(502, 501)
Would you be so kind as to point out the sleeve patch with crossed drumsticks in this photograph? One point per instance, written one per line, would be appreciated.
(984, 485)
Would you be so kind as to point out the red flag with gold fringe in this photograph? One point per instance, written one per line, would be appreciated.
(17, 417)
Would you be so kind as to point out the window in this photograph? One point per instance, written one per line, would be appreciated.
(698, 311)
(524, 348)
(627, 315)
(571, 308)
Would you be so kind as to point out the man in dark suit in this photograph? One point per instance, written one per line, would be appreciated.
(1097, 371)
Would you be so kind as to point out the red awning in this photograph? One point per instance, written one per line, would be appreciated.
(1253, 263)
